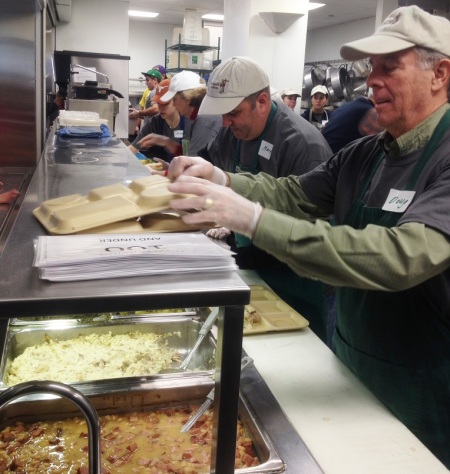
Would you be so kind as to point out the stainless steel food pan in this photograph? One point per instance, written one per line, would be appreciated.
(155, 394)
(184, 332)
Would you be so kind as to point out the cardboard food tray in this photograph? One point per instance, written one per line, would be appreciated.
(107, 206)
(273, 312)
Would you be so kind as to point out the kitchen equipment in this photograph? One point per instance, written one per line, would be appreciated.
(361, 67)
(91, 95)
(314, 77)
(328, 74)
(361, 89)
(338, 82)
(181, 331)
(68, 392)
(92, 90)
(246, 361)
(211, 319)
(155, 395)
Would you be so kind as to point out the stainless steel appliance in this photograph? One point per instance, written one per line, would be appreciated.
(85, 78)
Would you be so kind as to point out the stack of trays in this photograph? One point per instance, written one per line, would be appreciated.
(114, 209)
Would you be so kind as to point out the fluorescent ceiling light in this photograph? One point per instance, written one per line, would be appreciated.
(313, 6)
(211, 16)
(142, 14)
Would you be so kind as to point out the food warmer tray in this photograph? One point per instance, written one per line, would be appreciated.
(185, 330)
(144, 397)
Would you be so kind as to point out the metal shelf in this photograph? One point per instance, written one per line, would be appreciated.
(190, 48)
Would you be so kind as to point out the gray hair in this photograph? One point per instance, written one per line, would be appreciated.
(428, 58)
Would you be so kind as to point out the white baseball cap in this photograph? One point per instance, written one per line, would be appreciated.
(404, 28)
(230, 83)
(290, 92)
(321, 89)
(182, 81)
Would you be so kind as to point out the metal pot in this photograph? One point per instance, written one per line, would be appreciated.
(312, 78)
(361, 67)
(339, 81)
(361, 89)
(328, 73)
(332, 95)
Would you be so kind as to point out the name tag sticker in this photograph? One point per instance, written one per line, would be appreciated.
(265, 150)
(398, 201)
(178, 134)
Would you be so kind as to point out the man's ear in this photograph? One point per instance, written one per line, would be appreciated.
(441, 77)
(264, 98)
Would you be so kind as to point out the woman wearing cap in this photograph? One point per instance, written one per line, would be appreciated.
(165, 128)
(187, 90)
(289, 97)
(317, 115)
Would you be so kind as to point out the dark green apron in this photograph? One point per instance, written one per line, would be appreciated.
(304, 295)
(396, 342)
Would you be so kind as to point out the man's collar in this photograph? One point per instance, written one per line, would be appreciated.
(415, 138)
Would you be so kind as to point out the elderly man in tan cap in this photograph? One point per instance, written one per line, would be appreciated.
(389, 252)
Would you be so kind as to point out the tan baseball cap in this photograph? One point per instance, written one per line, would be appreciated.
(230, 83)
(404, 28)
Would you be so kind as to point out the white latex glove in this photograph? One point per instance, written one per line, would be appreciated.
(215, 203)
(196, 166)
(220, 233)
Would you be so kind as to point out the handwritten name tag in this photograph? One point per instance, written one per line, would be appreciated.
(178, 134)
(398, 201)
(265, 150)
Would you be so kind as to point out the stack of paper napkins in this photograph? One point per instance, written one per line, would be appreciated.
(94, 256)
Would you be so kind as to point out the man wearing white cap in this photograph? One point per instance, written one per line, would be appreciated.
(389, 254)
(187, 90)
(317, 114)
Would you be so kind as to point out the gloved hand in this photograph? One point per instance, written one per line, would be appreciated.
(220, 233)
(215, 203)
(196, 166)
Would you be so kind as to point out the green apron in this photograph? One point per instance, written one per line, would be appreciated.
(397, 343)
(304, 295)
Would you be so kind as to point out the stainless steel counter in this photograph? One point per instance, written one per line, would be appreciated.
(77, 166)
(12, 178)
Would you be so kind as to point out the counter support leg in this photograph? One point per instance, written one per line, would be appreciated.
(226, 400)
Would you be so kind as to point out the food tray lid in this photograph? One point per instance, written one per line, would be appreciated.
(112, 208)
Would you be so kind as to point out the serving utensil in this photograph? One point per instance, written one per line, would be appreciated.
(245, 362)
(207, 325)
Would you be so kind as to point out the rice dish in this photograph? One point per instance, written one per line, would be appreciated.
(93, 357)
